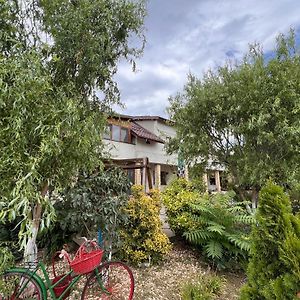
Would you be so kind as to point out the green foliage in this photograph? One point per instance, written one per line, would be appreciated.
(294, 193)
(89, 39)
(143, 238)
(244, 116)
(177, 198)
(54, 56)
(207, 287)
(9, 238)
(6, 259)
(43, 139)
(95, 201)
(274, 270)
(215, 223)
(219, 227)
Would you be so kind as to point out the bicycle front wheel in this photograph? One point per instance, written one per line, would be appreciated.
(111, 281)
(19, 286)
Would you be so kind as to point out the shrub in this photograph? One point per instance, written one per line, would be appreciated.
(274, 269)
(294, 193)
(177, 198)
(6, 261)
(9, 237)
(219, 228)
(143, 237)
(207, 287)
(215, 223)
(95, 201)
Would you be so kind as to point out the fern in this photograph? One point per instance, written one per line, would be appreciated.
(217, 228)
(214, 249)
(200, 208)
(214, 223)
(200, 219)
(240, 241)
(197, 236)
(245, 219)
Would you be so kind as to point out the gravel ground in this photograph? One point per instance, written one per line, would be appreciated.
(181, 265)
(164, 281)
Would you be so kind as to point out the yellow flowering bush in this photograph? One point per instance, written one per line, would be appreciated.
(143, 238)
(177, 198)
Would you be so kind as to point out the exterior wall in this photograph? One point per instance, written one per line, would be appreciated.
(148, 124)
(164, 130)
(159, 128)
(154, 151)
(156, 171)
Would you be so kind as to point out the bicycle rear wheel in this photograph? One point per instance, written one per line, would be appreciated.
(19, 286)
(117, 283)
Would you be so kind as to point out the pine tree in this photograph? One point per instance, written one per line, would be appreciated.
(274, 267)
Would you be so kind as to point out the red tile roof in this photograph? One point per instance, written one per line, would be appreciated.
(142, 132)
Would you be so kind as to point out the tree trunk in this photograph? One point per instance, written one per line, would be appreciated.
(254, 199)
(30, 253)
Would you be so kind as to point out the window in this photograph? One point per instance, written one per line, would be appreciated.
(212, 180)
(117, 133)
(107, 132)
(124, 135)
(131, 175)
(163, 178)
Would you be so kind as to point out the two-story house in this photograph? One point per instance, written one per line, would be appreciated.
(137, 144)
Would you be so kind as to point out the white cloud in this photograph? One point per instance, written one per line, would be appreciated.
(191, 35)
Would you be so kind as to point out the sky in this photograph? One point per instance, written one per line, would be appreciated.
(192, 36)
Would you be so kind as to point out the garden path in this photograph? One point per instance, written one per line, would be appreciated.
(163, 282)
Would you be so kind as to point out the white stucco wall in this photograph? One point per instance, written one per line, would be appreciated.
(154, 151)
(158, 127)
(148, 124)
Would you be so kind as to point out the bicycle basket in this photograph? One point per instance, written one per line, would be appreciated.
(87, 258)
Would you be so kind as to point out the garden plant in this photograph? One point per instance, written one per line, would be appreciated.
(143, 238)
(274, 267)
(217, 224)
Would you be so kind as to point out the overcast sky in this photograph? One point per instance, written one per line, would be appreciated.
(192, 36)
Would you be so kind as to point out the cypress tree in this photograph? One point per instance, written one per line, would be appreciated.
(274, 266)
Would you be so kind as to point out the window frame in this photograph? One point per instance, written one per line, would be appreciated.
(109, 136)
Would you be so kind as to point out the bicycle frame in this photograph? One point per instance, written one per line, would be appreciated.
(50, 286)
(47, 284)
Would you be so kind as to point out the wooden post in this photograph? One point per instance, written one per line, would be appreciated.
(205, 180)
(218, 182)
(157, 176)
(138, 176)
(145, 164)
(186, 173)
(149, 178)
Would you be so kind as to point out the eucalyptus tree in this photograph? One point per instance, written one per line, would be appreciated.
(54, 56)
(245, 116)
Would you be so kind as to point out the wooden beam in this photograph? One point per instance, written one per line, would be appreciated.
(128, 160)
(149, 178)
(145, 164)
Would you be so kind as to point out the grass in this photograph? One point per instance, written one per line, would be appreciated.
(205, 287)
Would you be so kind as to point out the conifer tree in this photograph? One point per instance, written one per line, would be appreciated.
(274, 267)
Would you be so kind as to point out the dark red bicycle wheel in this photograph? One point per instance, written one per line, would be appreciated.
(19, 286)
(116, 278)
